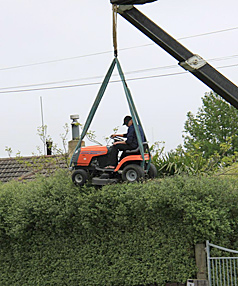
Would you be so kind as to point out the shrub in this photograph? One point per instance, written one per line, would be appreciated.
(126, 234)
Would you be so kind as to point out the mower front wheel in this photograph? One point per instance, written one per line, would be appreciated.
(133, 173)
(79, 177)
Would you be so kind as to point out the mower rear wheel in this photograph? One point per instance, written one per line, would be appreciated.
(133, 173)
(79, 177)
(152, 173)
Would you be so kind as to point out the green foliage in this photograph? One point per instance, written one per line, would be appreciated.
(193, 161)
(127, 234)
(177, 162)
(214, 124)
(210, 141)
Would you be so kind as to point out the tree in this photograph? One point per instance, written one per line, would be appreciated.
(215, 124)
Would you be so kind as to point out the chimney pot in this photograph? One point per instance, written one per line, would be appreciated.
(49, 147)
(75, 126)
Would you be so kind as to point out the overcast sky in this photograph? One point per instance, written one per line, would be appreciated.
(70, 43)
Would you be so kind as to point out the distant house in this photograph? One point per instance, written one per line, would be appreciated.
(26, 168)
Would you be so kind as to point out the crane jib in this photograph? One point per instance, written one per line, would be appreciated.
(189, 61)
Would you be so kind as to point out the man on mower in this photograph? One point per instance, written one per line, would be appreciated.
(130, 143)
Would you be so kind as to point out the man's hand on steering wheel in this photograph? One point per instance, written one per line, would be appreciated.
(117, 138)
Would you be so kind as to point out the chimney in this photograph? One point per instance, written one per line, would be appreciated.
(75, 135)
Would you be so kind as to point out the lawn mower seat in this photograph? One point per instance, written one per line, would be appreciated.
(137, 150)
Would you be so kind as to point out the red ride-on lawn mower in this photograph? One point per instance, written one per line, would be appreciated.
(88, 163)
(92, 161)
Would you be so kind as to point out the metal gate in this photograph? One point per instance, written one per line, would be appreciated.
(222, 271)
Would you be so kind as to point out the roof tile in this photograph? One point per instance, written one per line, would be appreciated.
(25, 168)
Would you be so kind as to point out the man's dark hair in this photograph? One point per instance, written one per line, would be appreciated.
(127, 119)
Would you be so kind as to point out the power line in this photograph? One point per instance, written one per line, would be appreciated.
(86, 78)
(209, 33)
(107, 52)
(127, 73)
(85, 84)
(228, 66)
(54, 61)
(98, 83)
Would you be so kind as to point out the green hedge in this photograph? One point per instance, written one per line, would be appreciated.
(52, 233)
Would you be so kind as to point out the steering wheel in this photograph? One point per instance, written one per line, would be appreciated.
(117, 139)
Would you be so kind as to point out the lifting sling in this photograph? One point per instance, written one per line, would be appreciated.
(132, 108)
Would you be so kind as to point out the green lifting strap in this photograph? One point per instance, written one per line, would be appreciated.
(95, 105)
(134, 114)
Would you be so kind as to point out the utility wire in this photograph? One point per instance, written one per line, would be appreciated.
(99, 77)
(107, 52)
(209, 33)
(99, 83)
(85, 84)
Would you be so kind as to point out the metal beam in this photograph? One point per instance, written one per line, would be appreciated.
(193, 63)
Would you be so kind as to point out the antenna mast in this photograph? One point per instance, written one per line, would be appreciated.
(43, 126)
